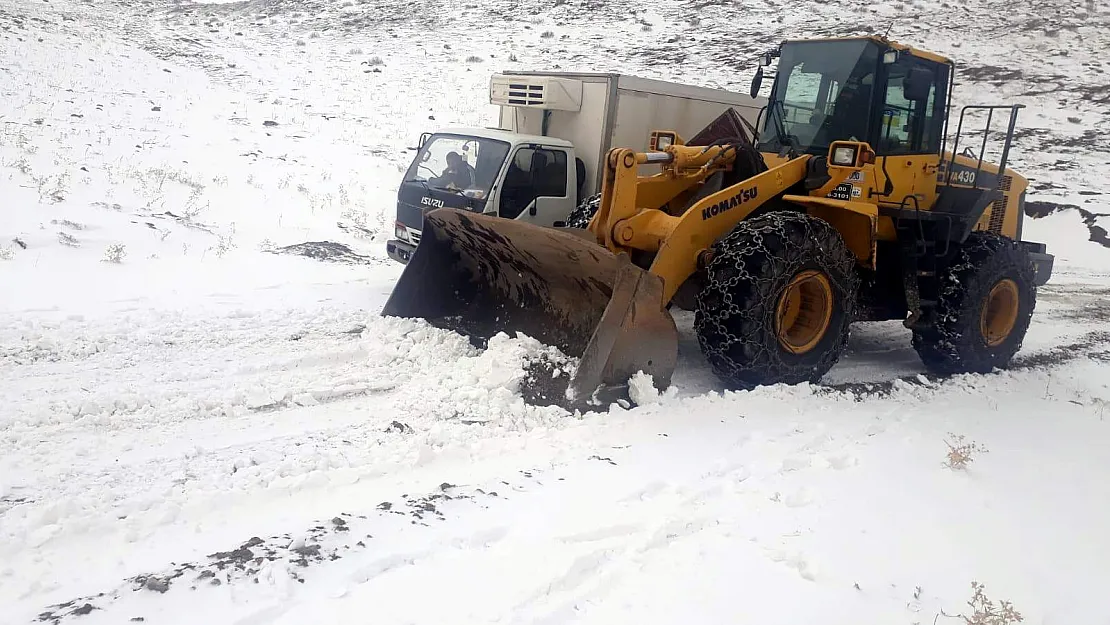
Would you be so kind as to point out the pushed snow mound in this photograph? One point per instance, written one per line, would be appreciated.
(447, 378)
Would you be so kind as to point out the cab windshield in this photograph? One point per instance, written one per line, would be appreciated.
(822, 93)
(464, 165)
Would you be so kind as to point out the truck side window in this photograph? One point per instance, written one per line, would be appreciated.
(533, 172)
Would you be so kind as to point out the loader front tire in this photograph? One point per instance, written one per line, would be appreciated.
(582, 214)
(778, 301)
(984, 307)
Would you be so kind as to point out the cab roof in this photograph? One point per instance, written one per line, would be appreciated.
(507, 136)
(883, 41)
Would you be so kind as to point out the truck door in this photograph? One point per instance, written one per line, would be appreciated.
(537, 185)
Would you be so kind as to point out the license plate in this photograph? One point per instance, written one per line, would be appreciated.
(842, 191)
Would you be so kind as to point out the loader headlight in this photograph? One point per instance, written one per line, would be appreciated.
(845, 157)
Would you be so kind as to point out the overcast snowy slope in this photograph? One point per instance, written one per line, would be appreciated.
(202, 419)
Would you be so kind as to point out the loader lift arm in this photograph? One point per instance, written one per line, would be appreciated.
(680, 242)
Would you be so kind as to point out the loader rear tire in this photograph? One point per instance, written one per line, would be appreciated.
(778, 301)
(984, 307)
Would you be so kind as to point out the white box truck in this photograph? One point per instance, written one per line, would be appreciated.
(545, 156)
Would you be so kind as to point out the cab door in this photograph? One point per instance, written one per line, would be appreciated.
(910, 124)
(537, 185)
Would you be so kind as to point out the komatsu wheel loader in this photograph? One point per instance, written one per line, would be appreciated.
(848, 205)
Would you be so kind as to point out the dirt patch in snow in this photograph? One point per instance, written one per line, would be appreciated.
(327, 251)
(545, 380)
(259, 558)
(7, 502)
(992, 74)
(1094, 93)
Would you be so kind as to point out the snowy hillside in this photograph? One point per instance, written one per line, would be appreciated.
(203, 419)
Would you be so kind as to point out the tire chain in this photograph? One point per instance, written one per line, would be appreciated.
(944, 347)
(582, 214)
(749, 271)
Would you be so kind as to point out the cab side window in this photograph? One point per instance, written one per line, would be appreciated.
(533, 172)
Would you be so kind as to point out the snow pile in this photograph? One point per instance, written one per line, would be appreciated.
(446, 378)
(642, 390)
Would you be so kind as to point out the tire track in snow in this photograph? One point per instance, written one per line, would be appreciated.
(357, 547)
(235, 416)
(1094, 345)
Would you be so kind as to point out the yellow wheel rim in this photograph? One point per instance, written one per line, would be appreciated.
(804, 312)
(999, 313)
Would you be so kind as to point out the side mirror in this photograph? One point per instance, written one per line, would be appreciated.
(757, 80)
(917, 84)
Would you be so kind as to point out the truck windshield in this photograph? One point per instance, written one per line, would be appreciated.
(466, 165)
(822, 93)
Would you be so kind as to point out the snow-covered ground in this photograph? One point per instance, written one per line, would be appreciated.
(201, 422)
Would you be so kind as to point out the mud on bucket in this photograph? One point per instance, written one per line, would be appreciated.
(479, 275)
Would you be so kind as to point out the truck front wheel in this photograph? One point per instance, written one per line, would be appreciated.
(779, 297)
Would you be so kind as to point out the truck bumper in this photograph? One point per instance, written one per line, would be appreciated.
(400, 251)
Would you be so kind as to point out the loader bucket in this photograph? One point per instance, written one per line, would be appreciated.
(479, 275)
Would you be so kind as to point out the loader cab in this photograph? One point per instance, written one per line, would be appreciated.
(856, 89)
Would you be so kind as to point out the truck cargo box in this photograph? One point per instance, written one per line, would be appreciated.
(599, 111)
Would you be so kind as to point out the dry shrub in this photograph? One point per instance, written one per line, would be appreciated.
(986, 613)
(961, 453)
(115, 253)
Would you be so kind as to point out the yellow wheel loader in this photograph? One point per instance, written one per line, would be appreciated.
(846, 205)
